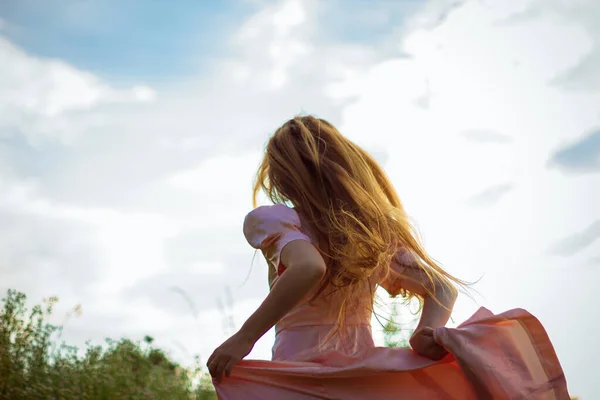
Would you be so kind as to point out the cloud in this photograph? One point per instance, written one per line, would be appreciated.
(584, 76)
(581, 156)
(382, 156)
(132, 149)
(46, 98)
(87, 248)
(578, 241)
(486, 136)
(491, 195)
(61, 253)
(161, 290)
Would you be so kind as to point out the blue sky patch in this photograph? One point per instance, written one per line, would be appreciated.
(581, 156)
(145, 39)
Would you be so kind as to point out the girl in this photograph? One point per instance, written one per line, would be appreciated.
(336, 231)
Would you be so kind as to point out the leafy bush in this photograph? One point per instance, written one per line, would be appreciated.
(33, 366)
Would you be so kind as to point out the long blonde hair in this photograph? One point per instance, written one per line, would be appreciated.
(354, 210)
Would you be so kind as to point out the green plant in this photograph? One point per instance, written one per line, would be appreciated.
(394, 335)
(34, 366)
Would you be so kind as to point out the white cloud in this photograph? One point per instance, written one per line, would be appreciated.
(284, 29)
(42, 97)
(129, 246)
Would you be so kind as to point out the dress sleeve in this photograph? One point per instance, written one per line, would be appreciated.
(270, 229)
(403, 259)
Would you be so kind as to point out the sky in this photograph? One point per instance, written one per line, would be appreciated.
(130, 132)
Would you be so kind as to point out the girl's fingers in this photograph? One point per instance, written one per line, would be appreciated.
(427, 332)
(228, 367)
(210, 359)
(433, 350)
(211, 368)
(220, 368)
(216, 366)
(438, 352)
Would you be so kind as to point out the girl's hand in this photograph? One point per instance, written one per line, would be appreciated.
(228, 354)
(422, 343)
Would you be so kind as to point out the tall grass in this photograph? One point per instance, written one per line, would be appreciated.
(34, 366)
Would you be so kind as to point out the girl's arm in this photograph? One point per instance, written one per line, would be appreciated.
(435, 314)
(438, 300)
(438, 296)
(305, 268)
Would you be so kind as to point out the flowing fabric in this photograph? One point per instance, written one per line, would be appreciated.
(505, 356)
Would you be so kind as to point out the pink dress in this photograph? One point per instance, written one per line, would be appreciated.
(505, 356)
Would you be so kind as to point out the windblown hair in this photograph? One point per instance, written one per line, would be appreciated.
(355, 212)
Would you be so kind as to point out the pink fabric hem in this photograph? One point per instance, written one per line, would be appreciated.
(506, 356)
